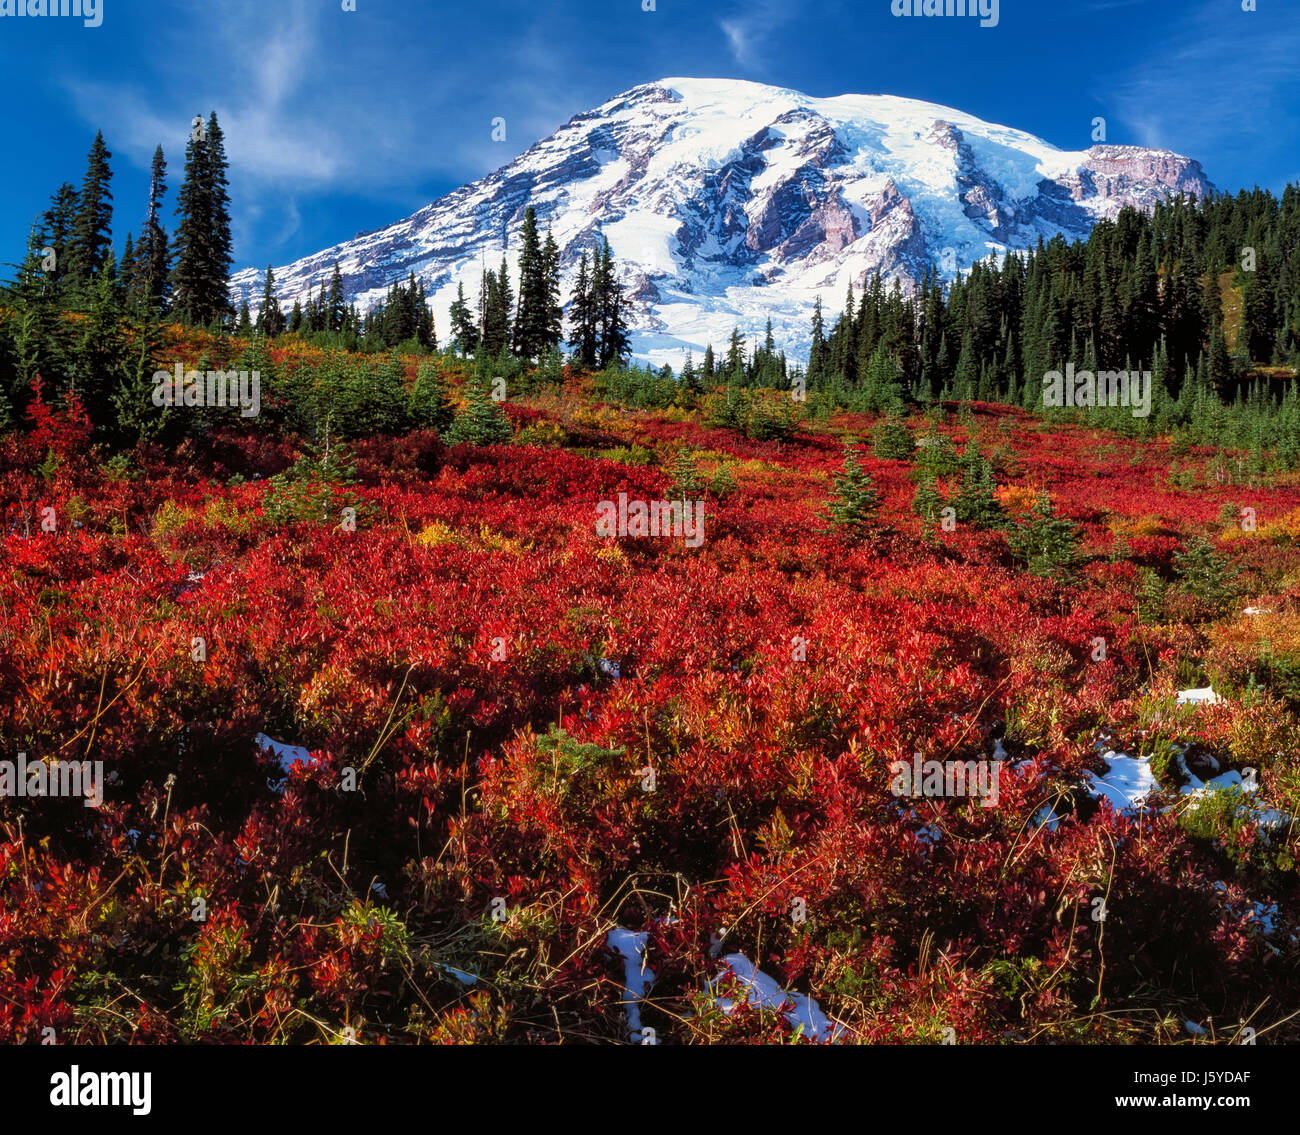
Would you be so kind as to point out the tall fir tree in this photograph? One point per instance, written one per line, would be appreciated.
(529, 336)
(57, 227)
(335, 304)
(553, 321)
(222, 241)
(464, 332)
(270, 319)
(150, 284)
(612, 345)
(582, 318)
(92, 229)
(203, 243)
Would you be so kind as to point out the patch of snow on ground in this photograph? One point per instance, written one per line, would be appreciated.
(288, 755)
(1264, 817)
(1202, 696)
(1127, 782)
(1264, 915)
(1230, 779)
(767, 993)
(637, 976)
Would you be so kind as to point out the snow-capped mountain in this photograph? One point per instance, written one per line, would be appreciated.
(729, 202)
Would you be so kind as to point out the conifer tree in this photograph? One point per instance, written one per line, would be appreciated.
(892, 440)
(270, 319)
(735, 364)
(723, 483)
(385, 404)
(222, 255)
(135, 416)
(553, 323)
(127, 268)
(425, 332)
(684, 481)
(480, 421)
(855, 501)
(976, 502)
(1151, 597)
(97, 353)
(530, 320)
(93, 226)
(498, 304)
(612, 345)
(817, 350)
(151, 283)
(57, 228)
(582, 318)
(1205, 573)
(927, 503)
(690, 377)
(335, 306)
(464, 333)
(203, 243)
(38, 333)
(430, 408)
(1047, 543)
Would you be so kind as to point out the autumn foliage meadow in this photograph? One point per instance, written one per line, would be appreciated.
(514, 735)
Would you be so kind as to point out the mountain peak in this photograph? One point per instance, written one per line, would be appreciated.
(729, 202)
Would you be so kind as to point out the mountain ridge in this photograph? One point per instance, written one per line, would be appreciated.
(728, 202)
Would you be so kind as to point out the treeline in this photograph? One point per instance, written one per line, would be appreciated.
(1200, 293)
(499, 326)
(1204, 295)
(70, 248)
(1195, 292)
(403, 319)
(78, 320)
(103, 353)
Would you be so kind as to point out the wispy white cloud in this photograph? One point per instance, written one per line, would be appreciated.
(750, 28)
(318, 102)
(252, 93)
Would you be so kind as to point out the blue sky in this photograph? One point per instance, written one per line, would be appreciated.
(341, 121)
